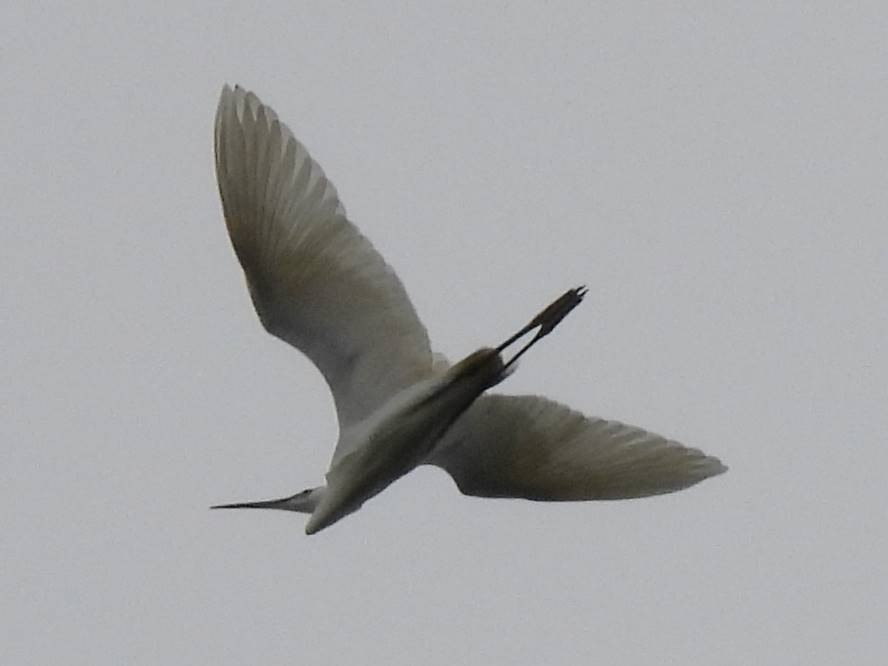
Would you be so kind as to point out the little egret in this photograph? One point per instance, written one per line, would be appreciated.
(318, 284)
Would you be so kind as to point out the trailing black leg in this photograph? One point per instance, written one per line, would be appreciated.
(546, 320)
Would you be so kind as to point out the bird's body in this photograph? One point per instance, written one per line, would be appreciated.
(318, 284)
(403, 434)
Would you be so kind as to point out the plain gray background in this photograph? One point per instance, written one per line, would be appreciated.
(717, 177)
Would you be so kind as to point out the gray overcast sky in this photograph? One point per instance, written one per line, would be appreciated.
(717, 177)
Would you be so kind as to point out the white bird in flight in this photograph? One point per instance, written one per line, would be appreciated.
(318, 284)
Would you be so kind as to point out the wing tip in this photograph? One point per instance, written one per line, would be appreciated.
(716, 467)
(241, 100)
(227, 93)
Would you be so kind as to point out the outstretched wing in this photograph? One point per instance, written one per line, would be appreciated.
(531, 447)
(316, 282)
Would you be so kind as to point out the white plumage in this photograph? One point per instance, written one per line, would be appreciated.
(320, 285)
